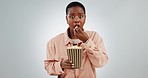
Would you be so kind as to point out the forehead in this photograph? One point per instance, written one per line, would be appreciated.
(75, 10)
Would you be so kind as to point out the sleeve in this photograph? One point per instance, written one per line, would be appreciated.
(51, 64)
(95, 50)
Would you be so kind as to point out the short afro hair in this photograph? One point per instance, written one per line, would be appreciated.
(73, 4)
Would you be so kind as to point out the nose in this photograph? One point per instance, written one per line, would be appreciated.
(77, 19)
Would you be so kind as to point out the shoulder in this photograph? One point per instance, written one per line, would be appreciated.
(56, 38)
(92, 33)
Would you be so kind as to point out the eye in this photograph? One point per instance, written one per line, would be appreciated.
(72, 17)
(81, 16)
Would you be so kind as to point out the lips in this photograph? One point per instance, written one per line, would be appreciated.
(76, 26)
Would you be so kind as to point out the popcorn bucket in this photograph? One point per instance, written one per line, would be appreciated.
(75, 55)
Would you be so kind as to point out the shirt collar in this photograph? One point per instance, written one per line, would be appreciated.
(67, 39)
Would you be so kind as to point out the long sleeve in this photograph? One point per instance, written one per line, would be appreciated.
(52, 63)
(95, 50)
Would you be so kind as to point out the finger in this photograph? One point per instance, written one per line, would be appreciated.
(77, 33)
(67, 61)
(67, 67)
(70, 61)
(75, 29)
(70, 67)
(79, 30)
(69, 64)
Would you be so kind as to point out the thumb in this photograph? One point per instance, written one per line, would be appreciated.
(62, 58)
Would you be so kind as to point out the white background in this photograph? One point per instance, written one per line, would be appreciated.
(27, 25)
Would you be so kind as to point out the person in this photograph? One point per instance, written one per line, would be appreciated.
(93, 56)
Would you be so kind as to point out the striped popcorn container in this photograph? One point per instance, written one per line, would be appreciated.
(75, 55)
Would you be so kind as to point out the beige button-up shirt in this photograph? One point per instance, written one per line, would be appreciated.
(93, 56)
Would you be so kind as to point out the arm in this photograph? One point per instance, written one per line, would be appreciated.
(52, 65)
(95, 50)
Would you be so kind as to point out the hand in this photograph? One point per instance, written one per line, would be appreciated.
(66, 64)
(80, 34)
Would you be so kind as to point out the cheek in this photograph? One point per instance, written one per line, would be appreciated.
(70, 21)
(82, 22)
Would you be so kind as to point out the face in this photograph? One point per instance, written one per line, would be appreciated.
(75, 17)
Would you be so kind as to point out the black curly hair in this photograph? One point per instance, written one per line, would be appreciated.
(73, 4)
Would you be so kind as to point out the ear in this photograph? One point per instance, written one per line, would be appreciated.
(67, 19)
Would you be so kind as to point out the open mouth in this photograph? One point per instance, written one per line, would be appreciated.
(76, 26)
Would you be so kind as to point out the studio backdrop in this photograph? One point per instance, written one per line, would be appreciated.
(27, 25)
